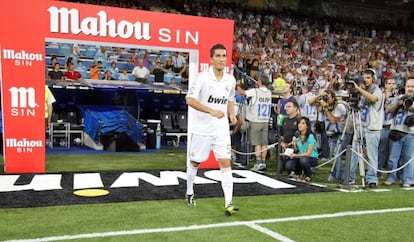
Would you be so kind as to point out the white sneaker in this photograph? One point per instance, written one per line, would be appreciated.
(263, 166)
(259, 167)
(292, 175)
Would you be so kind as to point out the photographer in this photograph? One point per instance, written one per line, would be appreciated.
(402, 136)
(336, 113)
(258, 114)
(372, 117)
(311, 111)
(390, 91)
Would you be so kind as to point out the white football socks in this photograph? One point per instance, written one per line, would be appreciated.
(191, 174)
(227, 185)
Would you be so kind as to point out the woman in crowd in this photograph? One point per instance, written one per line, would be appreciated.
(306, 153)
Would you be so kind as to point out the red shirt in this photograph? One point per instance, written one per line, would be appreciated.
(73, 75)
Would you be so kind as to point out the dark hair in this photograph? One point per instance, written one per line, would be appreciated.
(265, 79)
(295, 104)
(330, 92)
(308, 124)
(370, 72)
(216, 47)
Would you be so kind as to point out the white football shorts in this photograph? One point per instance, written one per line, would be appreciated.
(200, 146)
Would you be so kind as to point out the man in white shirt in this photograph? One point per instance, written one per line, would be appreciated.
(140, 72)
(258, 114)
(212, 97)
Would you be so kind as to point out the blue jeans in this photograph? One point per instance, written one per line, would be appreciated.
(302, 164)
(324, 145)
(401, 152)
(383, 148)
(372, 139)
(371, 142)
(338, 169)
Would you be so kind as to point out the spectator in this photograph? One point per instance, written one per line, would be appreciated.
(71, 74)
(289, 127)
(169, 65)
(258, 114)
(140, 72)
(113, 68)
(158, 72)
(179, 63)
(95, 71)
(305, 157)
(124, 75)
(56, 73)
(108, 75)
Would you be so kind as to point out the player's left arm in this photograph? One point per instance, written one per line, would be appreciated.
(230, 112)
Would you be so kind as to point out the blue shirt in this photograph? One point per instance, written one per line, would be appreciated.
(303, 148)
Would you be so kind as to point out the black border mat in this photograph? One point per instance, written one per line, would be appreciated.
(145, 190)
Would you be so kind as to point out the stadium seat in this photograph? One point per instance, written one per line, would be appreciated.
(52, 51)
(151, 78)
(123, 65)
(182, 121)
(65, 50)
(168, 122)
(167, 78)
(131, 77)
(178, 79)
(90, 52)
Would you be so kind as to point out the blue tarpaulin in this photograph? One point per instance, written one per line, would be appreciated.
(103, 120)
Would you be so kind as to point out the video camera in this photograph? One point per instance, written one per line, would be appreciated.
(352, 78)
(353, 95)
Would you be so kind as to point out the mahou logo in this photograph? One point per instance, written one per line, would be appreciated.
(63, 20)
(22, 97)
(21, 55)
(23, 101)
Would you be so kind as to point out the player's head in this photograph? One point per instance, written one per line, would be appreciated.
(216, 47)
(218, 56)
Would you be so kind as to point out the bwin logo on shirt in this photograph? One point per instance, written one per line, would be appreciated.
(217, 100)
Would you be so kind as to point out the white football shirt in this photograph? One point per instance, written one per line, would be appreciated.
(215, 94)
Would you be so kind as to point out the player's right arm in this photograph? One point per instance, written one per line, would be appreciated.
(194, 103)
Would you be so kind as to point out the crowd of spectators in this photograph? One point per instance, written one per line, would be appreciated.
(303, 50)
(307, 52)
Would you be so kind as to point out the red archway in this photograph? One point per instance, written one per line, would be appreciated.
(27, 24)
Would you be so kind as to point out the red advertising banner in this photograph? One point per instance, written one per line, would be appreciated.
(27, 25)
(22, 83)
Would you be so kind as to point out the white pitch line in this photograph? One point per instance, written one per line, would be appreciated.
(269, 232)
(218, 225)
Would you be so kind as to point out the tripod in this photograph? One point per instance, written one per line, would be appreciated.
(342, 144)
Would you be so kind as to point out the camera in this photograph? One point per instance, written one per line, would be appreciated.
(352, 78)
(324, 98)
(354, 95)
(394, 92)
(407, 101)
(409, 121)
(353, 99)
(298, 91)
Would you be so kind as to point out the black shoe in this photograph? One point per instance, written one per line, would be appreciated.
(372, 185)
(230, 210)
